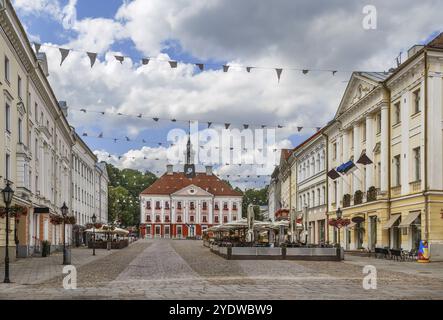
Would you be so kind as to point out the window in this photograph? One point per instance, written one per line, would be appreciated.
(7, 69)
(191, 218)
(397, 113)
(157, 205)
(204, 219)
(205, 205)
(363, 131)
(216, 206)
(19, 87)
(167, 205)
(216, 219)
(192, 205)
(234, 206)
(335, 191)
(416, 101)
(166, 218)
(179, 205)
(157, 218)
(20, 138)
(148, 204)
(397, 166)
(378, 120)
(179, 218)
(225, 206)
(8, 166)
(334, 151)
(148, 218)
(225, 219)
(8, 117)
(417, 164)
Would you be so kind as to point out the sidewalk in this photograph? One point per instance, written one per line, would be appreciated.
(432, 269)
(34, 270)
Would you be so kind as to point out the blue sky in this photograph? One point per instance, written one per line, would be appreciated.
(320, 35)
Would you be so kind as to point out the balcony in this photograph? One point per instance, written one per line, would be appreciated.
(415, 186)
(395, 191)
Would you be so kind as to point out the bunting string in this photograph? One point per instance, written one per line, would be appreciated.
(173, 63)
(209, 123)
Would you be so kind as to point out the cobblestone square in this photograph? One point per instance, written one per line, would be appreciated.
(184, 269)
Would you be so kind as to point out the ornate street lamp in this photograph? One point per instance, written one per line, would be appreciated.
(8, 193)
(339, 214)
(64, 210)
(94, 220)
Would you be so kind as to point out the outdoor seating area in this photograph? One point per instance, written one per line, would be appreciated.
(395, 254)
(107, 237)
(263, 240)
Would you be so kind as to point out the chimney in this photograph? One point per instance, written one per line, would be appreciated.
(169, 169)
(413, 50)
(43, 62)
(64, 106)
(208, 170)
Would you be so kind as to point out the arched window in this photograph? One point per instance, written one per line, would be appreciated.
(318, 197)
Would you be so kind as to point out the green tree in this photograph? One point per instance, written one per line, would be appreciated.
(125, 187)
(258, 197)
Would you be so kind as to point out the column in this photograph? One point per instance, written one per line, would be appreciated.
(370, 151)
(385, 145)
(356, 176)
(345, 146)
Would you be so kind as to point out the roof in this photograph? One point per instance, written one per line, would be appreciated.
(437, 42)
(170, 183)
(376, 76)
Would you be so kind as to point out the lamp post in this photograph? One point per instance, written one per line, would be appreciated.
(7, 198)
(94, 219)
(64, 210)
(339, 214)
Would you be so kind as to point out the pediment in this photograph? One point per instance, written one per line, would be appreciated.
(358, 88)
(192, 190)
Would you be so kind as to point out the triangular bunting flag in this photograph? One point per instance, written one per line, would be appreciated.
(120, 59)
(85, 134)
(201, 66)
(263, 126)
(318, 128)
(83, 110)
(155, 119)
(209, 124)
(279, 126)
(279, 71)
(92, 57)
(37, 47)
(248, 69)
(299, 129)
(305, 71)
(145, 61)
(334, 72)
(174, 120)
(127, 139)
(139, 116)
(246, 126)
(100, 135)
(227, 125)
(64, 53)
(173, 64)
(225, 68)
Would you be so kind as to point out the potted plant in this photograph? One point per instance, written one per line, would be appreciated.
(46, 248)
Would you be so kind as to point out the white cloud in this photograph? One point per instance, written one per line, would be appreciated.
(304, 34)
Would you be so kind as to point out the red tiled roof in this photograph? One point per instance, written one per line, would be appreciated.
(170, 183)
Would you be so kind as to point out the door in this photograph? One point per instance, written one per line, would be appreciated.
(416, 233)
(166, 235)
(157, 231)
(179, 232)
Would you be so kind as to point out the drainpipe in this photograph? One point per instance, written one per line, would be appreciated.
(425, 191)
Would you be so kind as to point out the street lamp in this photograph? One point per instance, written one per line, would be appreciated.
(339, 214)
(7, 198)
(94, 219)
(64, 210)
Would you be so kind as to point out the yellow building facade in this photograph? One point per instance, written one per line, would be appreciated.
(395, 120)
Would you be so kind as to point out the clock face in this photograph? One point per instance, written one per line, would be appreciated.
(189, 170)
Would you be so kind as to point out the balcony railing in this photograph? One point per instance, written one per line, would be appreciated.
(415, 186)
(396, 191)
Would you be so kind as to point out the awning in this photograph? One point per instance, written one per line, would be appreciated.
(390, 222)
(409, 219)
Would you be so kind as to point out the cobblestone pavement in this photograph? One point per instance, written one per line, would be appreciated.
(179, 269)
